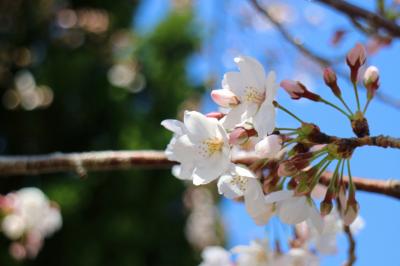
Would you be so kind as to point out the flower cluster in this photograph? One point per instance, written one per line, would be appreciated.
(28, 217)
(282, 166)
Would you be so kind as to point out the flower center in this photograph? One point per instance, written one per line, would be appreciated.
(254, 95)
(211, 146)
(240, 182)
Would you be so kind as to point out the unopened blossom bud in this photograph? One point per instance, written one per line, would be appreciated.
(297, 90)
(216, 115)
(331, 81)
(238, 136)
(355, 59)
(326, 207)
(371, 81)
(224, 98)
(351, 212)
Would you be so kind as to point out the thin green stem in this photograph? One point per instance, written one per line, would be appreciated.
(286, 128)
(335, 175)
(317, 155)
(345, 105)
(366, 106)
(351, 184)
(289, 112)
(336, 107)
(357, 98)
(323, 168)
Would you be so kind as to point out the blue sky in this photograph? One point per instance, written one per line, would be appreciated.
(225, 25)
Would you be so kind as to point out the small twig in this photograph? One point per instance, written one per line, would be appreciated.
(289, 38)
(351, 257)
(353, 11)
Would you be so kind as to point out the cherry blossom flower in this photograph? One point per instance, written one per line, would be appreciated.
(215, 256)
(201, 145)
(249, 93)
(293, 209)
(30, 218)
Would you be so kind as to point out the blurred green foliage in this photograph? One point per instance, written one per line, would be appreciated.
(112, 218)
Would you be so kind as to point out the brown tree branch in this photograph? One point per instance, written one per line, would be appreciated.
(353, 11)
(81, 163)
(388, 187)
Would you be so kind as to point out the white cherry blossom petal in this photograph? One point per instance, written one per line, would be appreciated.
(255, 203)
(173, 125)
(252, 70)
(264, 119)
(294, 210)
(199, 126)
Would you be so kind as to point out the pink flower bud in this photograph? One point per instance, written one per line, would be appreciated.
(331, 81)
(326, 207)
(292, 88)
(371, 81)
(297, 90)
(329, 76)
(350, 213)
(357, 56)
(238, 136)
(216, 115)
(224, 97)
(355, 59)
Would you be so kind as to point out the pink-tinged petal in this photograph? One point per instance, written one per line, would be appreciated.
(225, 98)
(357, 55)
(255, 203)
(216, 115)
(293, 88)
